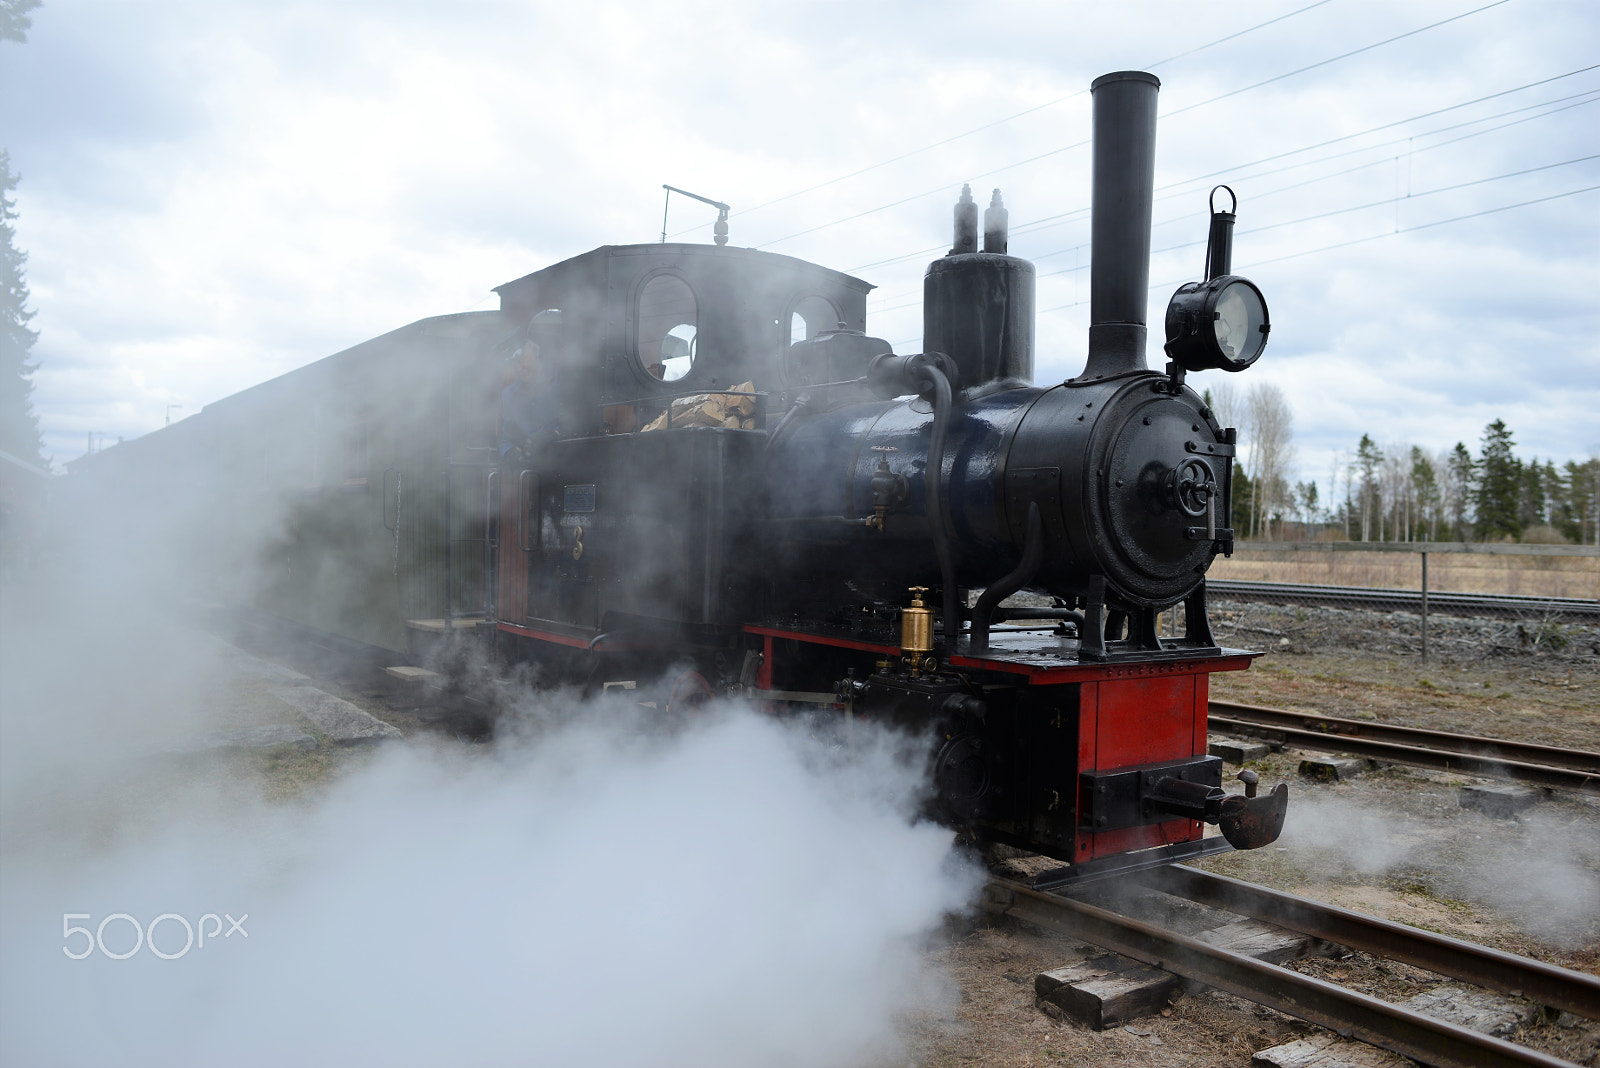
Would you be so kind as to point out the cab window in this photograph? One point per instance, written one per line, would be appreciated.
(667, 327)
(810, 316)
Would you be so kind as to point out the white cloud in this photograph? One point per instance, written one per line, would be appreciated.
(214, 194)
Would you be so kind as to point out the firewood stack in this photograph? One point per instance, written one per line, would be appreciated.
(712, 409)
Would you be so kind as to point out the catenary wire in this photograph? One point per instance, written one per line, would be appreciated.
(1033, 226)
(1328, 248)
(1009, 118)
(1372, 237)
(1079, 144)
(1335, 59)
(1338, 211)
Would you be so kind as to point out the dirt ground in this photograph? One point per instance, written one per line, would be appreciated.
(1525, 698)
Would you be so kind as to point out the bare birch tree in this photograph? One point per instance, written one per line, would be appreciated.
(1395, 481)
(1226, 405)
(1270, 423)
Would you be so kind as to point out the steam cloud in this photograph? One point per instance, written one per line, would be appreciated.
(1542, 872)
(735, 894)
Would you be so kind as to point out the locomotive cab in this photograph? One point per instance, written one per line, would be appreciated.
(645, 323)
(637, 513)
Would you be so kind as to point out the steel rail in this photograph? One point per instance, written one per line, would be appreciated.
(1466, 744)
(1346, 1012)
(1462, 763)
(1508, 973)
(1494, 606)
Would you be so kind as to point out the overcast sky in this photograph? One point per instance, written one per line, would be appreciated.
(218, 191)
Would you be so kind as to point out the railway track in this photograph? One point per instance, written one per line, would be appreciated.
(1483, 605)
(1540, 765)
(1346, 1012)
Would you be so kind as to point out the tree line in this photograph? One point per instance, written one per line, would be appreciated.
(1401, 492)
(19, 426)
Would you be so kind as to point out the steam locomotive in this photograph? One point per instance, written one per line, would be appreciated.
(691, 463)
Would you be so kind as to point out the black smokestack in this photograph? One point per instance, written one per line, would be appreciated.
(1124, 182)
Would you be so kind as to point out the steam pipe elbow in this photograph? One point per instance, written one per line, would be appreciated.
(934, 475)
(1020, 576)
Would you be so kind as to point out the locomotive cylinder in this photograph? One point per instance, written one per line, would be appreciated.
(1124, 188)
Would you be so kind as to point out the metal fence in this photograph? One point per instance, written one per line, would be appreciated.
(1541, 589)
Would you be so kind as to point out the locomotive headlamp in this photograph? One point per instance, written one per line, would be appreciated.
(1221, 322)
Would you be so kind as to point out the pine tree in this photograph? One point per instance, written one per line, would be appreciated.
(1369, 458)
(1581, 510)
(19, 427)
(14, 20)
(1461, 473)
(1531, 495)
(1244, 499)
(1499, 482)
(1555, 492)
(1425, 490)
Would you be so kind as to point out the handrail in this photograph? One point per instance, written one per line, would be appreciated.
(491, 512)
(387, 525)
(523, 542)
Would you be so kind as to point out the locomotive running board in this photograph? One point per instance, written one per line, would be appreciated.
(1140, 860)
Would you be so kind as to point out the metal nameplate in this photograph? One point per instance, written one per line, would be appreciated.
(577, 498)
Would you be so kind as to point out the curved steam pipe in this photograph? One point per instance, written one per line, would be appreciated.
(801, 405)
(1021, 575)
(934, 483)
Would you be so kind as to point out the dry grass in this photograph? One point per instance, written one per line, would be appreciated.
(1533, 576)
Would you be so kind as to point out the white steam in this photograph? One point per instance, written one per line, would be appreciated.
(736, 894)
(1541, 871)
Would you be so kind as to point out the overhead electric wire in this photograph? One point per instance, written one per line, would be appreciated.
(1592, 94)
(1593, 99)
(1335, 59)
(1428, 225)
(1374, 204)
(1355, 241)
(1397, 122)
(1174, 188)
(1342, 211)
(1385, 144)
(1372, 237)
(1010, 118)
(1024, 227)
(1079, 144)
